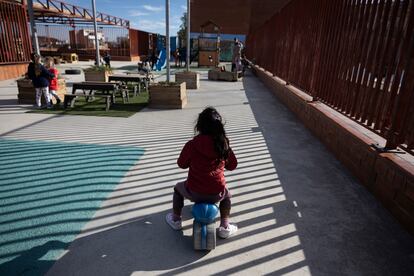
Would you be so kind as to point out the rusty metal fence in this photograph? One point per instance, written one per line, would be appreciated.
(14, 36)
(356, 56)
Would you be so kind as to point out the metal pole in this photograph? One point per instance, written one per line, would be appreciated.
(188, 36)
(35, 41)
(167, 36)
(95, 28)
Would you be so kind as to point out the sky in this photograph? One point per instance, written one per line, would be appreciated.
(146, 15)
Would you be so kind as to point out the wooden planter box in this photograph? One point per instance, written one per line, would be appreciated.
(96, 76)
(162, 96)
(192, 79)
(27, 93)
(215, 74)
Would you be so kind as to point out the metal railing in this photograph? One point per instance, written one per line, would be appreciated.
(14, 36)
(356, 56)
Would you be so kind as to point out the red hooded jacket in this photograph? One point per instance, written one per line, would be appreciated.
(205, 175)
(54, 82)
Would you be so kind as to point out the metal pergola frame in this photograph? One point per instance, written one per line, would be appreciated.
(55, 11)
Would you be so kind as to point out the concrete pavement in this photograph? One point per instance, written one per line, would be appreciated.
(299, 211)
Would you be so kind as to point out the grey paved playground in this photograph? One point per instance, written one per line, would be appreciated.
(299, 211)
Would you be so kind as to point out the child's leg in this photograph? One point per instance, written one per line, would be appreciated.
(226, 229)
(38, 96)
(46, 94)
(53, 93)
(174, 218)
(180, 193)
(178, 204)
(225, 206)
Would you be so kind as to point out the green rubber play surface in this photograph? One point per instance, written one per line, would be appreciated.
(48, 192)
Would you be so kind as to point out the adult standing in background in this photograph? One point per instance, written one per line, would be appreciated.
(154, 59)
(107, 59)
(236, 59)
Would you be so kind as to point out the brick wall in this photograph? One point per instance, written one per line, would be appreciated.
(388, 176)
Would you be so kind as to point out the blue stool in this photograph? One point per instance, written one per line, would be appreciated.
(204, 227)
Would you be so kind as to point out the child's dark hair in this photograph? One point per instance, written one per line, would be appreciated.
(210, 123)
(34, 56)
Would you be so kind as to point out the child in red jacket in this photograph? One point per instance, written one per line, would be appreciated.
(206, 156)
(53, 84)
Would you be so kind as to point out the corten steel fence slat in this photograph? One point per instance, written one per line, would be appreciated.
(339, 46)
(7, 31)
(14, 36)
(393, 74)
(332, 36)
(354, 55)
(2, 40)
(385, 77)
(321, 63)
(315, 42)
(272, 50)
(363, 46)
(338, 27)
(405, 29)
(368, 115)
(405, 99)
(374, 47)
(351, 66)
(3, 57)
(342, 61)
(320, 21)
(367, 58)
(378, 73)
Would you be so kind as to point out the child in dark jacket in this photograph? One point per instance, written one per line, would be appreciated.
(40, 79)
(206, 156)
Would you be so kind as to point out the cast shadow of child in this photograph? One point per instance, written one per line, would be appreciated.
(29, 263)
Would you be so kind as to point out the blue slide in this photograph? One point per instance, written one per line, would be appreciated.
(162, 62)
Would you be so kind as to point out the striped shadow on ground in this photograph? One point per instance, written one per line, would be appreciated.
(48, 192)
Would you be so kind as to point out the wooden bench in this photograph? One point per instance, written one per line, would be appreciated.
(71, 98)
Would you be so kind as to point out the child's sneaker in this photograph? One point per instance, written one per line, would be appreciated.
(224, 233)
(176, 225)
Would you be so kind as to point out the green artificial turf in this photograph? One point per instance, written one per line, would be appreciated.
(97, 107)
(48, 192)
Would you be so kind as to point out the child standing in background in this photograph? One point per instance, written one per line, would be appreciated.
(53, 84)
(40, 77)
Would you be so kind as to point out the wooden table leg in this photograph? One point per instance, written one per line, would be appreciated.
(108, 103)
(72, 102)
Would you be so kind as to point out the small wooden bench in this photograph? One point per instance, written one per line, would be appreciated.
(71, 98)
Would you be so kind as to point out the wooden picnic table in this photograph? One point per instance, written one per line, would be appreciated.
(128, 78)
(105, 90)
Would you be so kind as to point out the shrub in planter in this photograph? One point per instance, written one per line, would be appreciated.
(192, 79)
(167, 95)
(97, 73)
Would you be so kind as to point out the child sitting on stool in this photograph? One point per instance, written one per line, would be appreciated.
(53, 83)
(207, 155)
